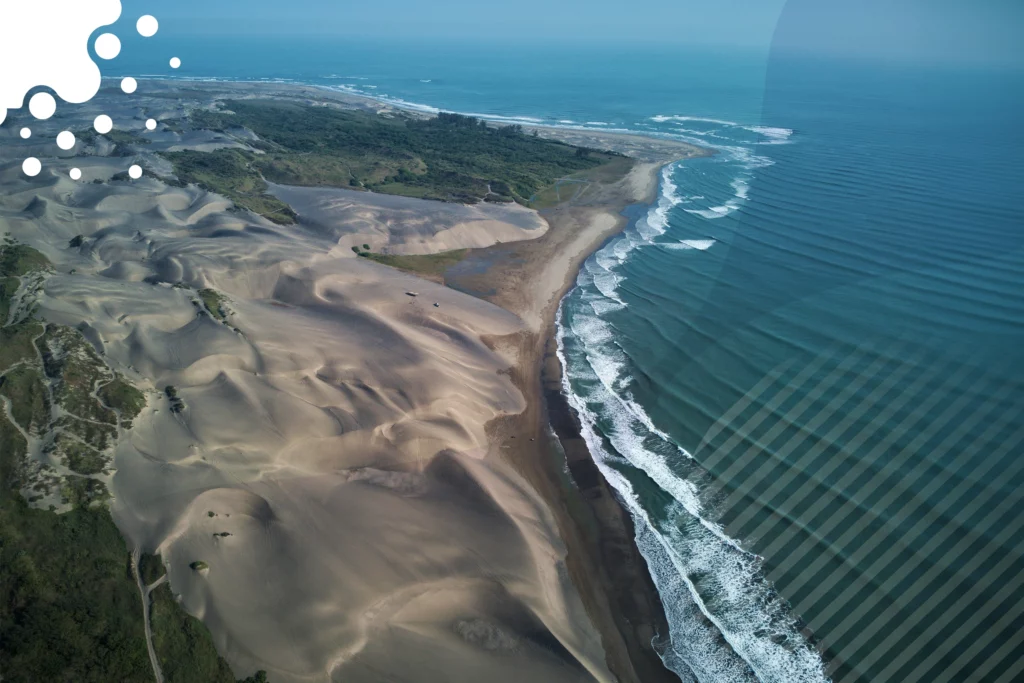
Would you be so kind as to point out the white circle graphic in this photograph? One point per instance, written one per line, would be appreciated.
(103, 124)
(31, 166)
(129, 84)
(135, 171)
(66, 139)
(42, 105)
(175, 62)
(26, 133)
(108, 46)
(75, 173)
(147, 26)
(151, 124)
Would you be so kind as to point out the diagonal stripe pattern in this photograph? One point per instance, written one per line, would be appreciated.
(882, 488)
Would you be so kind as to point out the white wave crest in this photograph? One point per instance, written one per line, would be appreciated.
(656, 221)
(775, 136)
(662, 118)
(733, 596)
(696, 245)
(716, 211)
(741, 190)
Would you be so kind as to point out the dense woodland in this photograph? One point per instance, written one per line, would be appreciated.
(448, 158)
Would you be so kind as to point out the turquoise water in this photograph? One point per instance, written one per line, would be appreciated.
(802, 369)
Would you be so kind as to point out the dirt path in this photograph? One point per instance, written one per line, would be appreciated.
(144, 592)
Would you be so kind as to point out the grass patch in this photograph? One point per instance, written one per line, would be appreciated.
(24, 388)
(123, 140)
(16, 344)
(231, 172)
(150, 568)
(78, 456)
(17, 260)
(432, 266)
(76, 369)
(574, 185)
(124, 398)
(215, 303)
(183, 644)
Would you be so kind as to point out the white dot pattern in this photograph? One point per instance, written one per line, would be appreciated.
(108, 46)
(103, 124)
(147, 26)
(42, 105)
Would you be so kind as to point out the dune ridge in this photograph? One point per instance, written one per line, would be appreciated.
(325, 462)
(332, 425)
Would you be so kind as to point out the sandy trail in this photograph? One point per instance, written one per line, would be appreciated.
(144, 592)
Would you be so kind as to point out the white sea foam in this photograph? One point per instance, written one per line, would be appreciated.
(697, 245)
(606, 280)
(506, 119)
(775, 136)
(656, 221)
(741, 190)
(733, 595)
(662, 118)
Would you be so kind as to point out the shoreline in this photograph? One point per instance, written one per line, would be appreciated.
(602, 557)
(575, 547)
(530, 278)
(643, 145)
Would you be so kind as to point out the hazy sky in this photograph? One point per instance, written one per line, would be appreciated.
(923, 30)
(725, 22)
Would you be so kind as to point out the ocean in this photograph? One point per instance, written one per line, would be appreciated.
(801, 368)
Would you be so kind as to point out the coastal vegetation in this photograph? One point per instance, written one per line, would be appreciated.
(215, 303)
(430, 266)
(70, 609)
(232, 173)
(123, 140)
(183, 644)
(450, 157)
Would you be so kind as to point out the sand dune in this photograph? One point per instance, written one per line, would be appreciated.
(402, 225)
(337, 452)
(325, 453)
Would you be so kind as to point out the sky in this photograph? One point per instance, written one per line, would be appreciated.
(719, 22)
(922, 30)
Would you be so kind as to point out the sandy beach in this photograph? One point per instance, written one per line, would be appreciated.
(359, 458)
